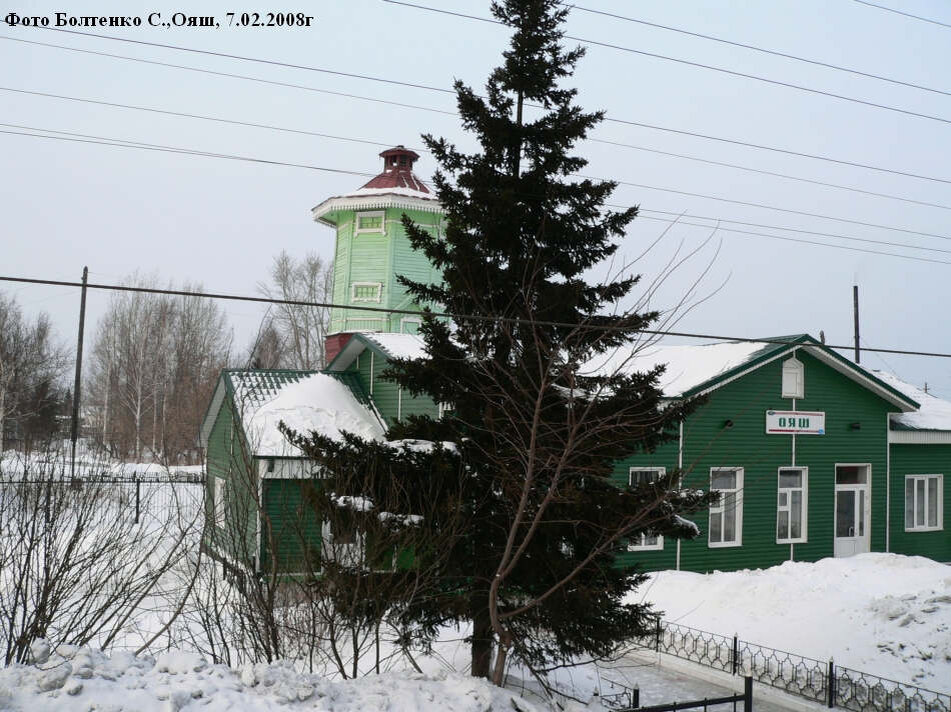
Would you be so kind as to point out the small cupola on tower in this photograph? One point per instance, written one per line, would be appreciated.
(372, 249)
(398, 172)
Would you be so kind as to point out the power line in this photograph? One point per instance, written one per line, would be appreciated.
(797, 230)
(446, 315)
(906, 14)
(243, 58)
(607, 119)
(285, 129)
(700, 65)
(777, 208)
(219, 119)
(245, 77)
(800, 240)
(776, 174)
(123, 143)
(775, 53)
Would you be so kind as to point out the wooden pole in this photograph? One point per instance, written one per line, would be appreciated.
(79, 372)
(855, 317)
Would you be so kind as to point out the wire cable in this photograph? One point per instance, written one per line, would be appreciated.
(906, 14)
(124, 143)
(304, 132)
(607, 119)
(775, 53)
(699, 65)
(448, 315)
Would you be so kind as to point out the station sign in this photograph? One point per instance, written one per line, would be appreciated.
(795, 422)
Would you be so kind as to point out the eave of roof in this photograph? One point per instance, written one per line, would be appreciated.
(821, 352)
(325, 211)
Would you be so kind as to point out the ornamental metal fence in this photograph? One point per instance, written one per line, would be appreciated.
(833, 685)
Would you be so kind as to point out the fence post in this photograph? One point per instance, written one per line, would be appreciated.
(736, 652)
(636, 698)
(135, 478)
(748, 693)
(830, 686)
(657, 635)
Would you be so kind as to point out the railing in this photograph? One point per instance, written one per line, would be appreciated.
(148, 495)
(825, 682)
(746, 698)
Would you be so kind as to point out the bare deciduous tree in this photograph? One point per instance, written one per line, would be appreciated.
(302, 329)
(32, 370)
(154, 362)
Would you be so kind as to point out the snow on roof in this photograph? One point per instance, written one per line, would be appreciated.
(688, 366)
(407, 192)
(316, 402)
(398, 345)
(934, 413)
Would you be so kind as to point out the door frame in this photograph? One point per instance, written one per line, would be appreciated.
(868, 500)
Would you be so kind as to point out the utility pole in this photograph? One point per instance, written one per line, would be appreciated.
(855, 316)
(79, 371)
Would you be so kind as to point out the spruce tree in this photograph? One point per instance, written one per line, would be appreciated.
(536, 427)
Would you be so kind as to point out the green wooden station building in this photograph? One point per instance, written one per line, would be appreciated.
(814, 455)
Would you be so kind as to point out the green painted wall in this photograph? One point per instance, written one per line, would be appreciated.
(227, 457)
(915, 459)
(707, 443)
(386, 394)
(377, 258)
(290, 527)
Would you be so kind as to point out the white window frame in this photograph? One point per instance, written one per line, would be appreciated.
(939, 524)
(640, 541)
(441, 409)
(219, 501)
(804, 490)
(355, 298)
(357, 230)
(794, 369)
(718, 510)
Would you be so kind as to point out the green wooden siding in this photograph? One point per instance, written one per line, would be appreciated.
(227, 458)
(290, 527)
(709, 443)
(919, 459)
(377, 258)
(385, 394)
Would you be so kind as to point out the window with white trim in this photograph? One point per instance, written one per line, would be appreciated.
(791, 506)
(637, 476)
(924, 503)
(219, 501)
(366, 291)
(370, 222)
(726, 515)
(793, 378)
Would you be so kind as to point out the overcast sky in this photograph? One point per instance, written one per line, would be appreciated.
(220, 222)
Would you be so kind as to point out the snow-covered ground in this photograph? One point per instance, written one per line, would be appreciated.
(884, 614)
(79, 680)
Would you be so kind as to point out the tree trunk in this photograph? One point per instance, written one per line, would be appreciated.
(481, 635)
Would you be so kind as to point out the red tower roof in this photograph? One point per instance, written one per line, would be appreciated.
(398, 171)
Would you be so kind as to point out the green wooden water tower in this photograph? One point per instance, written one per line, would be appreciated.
(372, 249)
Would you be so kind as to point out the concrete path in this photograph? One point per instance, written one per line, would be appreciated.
(664, 678)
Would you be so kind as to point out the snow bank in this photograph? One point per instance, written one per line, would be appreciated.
(78, 680)
(884, 614)
(318, 403)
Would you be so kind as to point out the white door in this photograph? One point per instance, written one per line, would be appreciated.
(851, 510)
